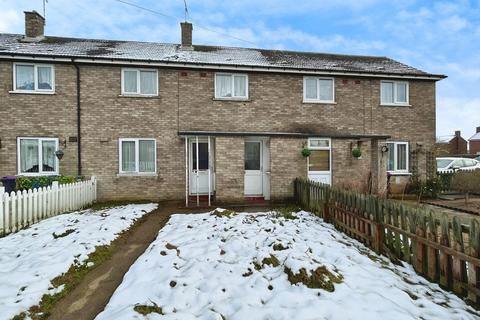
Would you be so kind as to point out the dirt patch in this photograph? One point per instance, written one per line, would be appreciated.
(321, 278)
(224, 214)
(471, 206)
(64, 234)
(145, 310)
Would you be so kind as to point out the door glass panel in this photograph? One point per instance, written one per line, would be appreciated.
(48, 156)
(252, 155)
(202, 156)
(319, 160)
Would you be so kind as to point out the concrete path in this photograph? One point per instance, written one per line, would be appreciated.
(91, 296)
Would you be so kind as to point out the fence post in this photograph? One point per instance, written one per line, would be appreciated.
(94, 181)
(2, 216)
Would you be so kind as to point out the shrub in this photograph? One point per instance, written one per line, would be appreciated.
(25, 183)
(429, 188)
(466, 181)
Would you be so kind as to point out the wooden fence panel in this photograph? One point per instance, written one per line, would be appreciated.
(444, 252)
(23, 208)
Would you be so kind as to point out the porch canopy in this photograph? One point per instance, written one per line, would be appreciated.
(331, 134)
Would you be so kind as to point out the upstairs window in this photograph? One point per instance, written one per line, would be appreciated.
(28, 77)
(142, 82)
(394, 92)
(397, 157)
(36, 156)
(231, 86)
(318, 90)
(138, 156)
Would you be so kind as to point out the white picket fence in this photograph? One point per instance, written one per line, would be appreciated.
(23, 208)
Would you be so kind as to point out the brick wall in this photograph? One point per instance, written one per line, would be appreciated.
(186, 102)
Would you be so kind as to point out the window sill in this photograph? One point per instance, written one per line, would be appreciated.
(395, 105)
(397, 173)
(32, 92)
(37, 174)
(232, 99)
(319, 102)
(138, 95)
(146, 175)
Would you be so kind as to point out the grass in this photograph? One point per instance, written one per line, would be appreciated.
(321, 278)
(75, 274)
(145, 310)
(286, 212)
(224, 214)
(64, 234)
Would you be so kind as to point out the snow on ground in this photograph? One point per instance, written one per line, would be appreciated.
(201, 266)
(31, 258)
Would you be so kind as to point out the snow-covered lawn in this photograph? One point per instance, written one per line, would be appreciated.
(203, 266)
(31, 258)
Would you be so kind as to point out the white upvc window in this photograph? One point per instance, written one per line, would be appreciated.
(142, 82)
(317, 89)
(36, 156)
(231, 86)
(137, 156)
(394, 92)
(397, 157)
(33, 78)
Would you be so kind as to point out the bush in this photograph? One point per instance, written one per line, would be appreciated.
(25, 183)
(424, 189)
(466, 181)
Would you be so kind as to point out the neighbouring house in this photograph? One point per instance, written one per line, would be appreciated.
(455, 146)
(474, 142)
(173, 121)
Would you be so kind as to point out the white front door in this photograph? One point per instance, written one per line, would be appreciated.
(200, 180)
(319, 161)
(253, 168)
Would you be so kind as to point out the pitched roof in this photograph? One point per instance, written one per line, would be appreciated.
(475, 137)
(112, 50)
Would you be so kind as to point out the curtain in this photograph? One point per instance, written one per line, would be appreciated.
(130, 81)
(223, 85)
(387, 92)
(401, 92)
(319, 160)
(48, 156)
(128, 156)
(391, 157)
(28, 155)
(24, 77)
(146, 156)
(240, 86)
(311, 88)
(326, 89)
(44, 78)
(148, 82)
(401, 157)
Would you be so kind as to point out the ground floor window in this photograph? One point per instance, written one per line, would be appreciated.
(36, 156)
(138, 156)
(397, 157)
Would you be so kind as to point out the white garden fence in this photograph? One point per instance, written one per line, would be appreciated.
(23, 208)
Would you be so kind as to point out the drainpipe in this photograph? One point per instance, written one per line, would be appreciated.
(79, 138)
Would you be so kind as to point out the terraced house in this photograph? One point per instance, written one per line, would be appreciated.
(184, 121)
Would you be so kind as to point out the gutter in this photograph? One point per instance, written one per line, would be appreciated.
(79, 121)
(225, 67)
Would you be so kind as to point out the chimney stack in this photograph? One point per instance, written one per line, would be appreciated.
(458, 133)
(478, 129)
(187, 28)
(34, 26)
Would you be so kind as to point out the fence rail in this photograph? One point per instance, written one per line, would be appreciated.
(23, 208)
(443, 250)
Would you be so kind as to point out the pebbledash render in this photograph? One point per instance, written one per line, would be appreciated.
(176, 121)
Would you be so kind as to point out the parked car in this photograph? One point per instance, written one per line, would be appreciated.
(455, 164)
(477, 158)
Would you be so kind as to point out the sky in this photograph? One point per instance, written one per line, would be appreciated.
(435, 36)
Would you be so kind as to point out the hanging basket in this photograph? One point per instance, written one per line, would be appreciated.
(356, 153)
(306, 152)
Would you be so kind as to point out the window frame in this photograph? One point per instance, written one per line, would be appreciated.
(35, 77)
(395, 101)
(139, 89)
(395, 156)
(232, 76)
(137, 156)
(40, 172)
(318, 100)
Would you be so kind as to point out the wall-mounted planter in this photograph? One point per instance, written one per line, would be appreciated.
(306, 152)
(357, 153)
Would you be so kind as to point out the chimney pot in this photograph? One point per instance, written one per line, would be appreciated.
(478, 129)
(34, 26)
(187, 29)
(458, 133)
